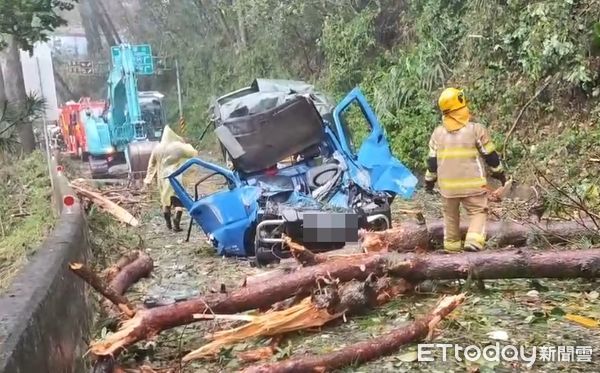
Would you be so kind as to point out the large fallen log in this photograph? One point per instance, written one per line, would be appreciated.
(411, 236)
(410, 266)
(132, 272)
(419, 237)
(368, 350)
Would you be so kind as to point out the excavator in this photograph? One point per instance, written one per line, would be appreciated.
(132, 122)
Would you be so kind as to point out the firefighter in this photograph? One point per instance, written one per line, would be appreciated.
(166, 158)
(457, 152)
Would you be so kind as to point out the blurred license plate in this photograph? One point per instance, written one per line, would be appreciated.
(330, 227)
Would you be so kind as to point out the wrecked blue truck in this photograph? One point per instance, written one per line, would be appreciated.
(294, 168)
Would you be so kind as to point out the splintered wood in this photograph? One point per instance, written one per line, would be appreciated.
(497, 195)
(301, 316)
(361, 352)
(332, 302)
(110, 205)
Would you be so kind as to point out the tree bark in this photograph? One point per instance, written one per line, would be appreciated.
(132, 272)
(117, 279)
(409, 236)
(15, 92)
(90, 25)
(115, 297)
(410, 266)
(110, 272)
(317, 310)
(241, 27)
(108, 20)
(361, 352)
(98, 14)
(64, 92)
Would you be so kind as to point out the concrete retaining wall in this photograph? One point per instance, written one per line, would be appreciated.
(46, 314)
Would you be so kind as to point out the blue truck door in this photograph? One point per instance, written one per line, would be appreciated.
(224, 216)
(386, 172)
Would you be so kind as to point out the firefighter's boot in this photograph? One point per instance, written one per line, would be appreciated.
(177, 221)
(167, 216)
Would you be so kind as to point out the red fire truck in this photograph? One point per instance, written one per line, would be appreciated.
(71, 125)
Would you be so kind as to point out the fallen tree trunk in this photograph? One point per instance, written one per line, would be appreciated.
(128, 270)
(110, 272)
(417, 237)
(368, 350)
(132, 272)
(113, 296)
(410, 236)
(410, 266)
(289, 265)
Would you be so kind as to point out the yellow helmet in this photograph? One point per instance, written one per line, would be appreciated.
(452, 99)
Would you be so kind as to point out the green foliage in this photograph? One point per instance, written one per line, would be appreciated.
(402, 54)
(24, 206)
(29, 21)
(12, 116)
(348, 46)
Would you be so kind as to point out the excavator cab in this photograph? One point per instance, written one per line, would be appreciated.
(154, 121)
(153, 114)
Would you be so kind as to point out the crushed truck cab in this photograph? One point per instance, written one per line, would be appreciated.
(294, 169)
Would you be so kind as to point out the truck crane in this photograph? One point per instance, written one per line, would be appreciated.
(132, 122)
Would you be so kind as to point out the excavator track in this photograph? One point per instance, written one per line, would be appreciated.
(98, 167)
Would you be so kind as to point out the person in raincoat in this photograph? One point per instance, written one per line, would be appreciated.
(166, 158)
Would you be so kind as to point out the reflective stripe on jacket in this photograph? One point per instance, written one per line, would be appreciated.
(460, 166)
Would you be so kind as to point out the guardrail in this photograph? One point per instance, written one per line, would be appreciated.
(46, 313)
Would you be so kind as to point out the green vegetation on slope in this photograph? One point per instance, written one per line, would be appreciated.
(402, 54)
(25, 212)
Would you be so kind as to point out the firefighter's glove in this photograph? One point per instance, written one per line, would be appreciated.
(429, 186)
(500, 176)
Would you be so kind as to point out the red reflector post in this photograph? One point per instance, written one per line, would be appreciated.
(68, 200)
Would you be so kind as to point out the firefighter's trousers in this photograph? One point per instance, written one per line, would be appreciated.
(476, 208)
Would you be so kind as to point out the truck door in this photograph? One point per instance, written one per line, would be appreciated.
(363, 140)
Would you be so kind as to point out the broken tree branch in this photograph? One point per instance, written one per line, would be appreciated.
(368, 350)
(107, 205)
(516, 122)
(410, 266)
(101, 287)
